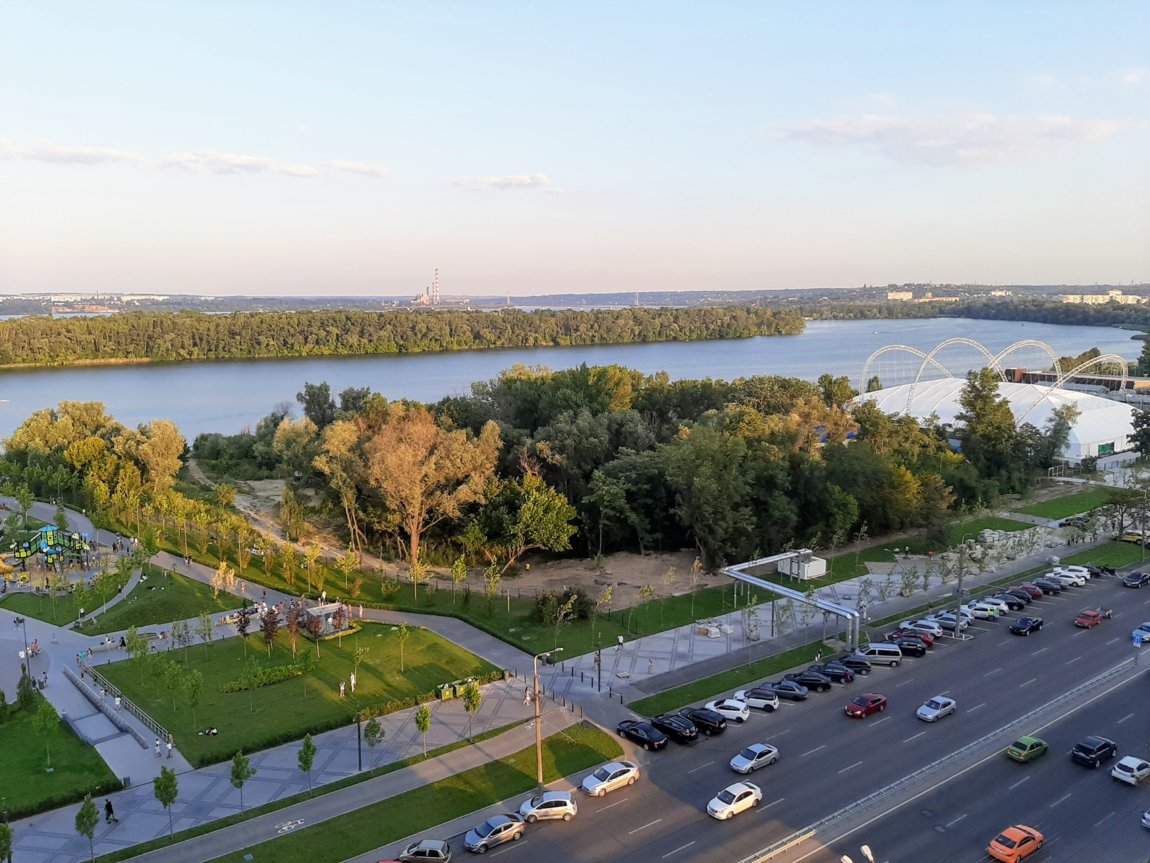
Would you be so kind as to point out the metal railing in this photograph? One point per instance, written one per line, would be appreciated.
(126, 704)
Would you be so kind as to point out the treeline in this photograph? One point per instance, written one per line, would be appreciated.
(193, 336)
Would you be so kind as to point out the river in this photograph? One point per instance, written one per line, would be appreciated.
(228, 396)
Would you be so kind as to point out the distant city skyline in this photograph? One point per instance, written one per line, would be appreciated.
(351, 148)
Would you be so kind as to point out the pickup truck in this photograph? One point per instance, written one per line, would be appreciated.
(1091, 617)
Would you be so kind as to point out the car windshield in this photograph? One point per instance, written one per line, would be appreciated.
(601, 774)
(535, 801)
(489, 825)
(725, 796)
(1020, 744)
(934, 704)
(861, 702)
(749, 754)
(1125, 768)
(1005, 841)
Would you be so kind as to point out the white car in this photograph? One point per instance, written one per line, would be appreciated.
(734, 799)
(612, 775)
(936, 708)
(1143, 631)
(946, 620)
(759, 699)
(1077, 570)
(1067, 579)
(1131, 770)
(929, 625)
(729, 709)
(994, 602)
(753, 757)
(983, 611)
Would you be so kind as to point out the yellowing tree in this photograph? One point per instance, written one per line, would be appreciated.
(426, 473)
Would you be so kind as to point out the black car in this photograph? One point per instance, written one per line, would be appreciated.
(678, 728)
(1012, 601)
(910, 646)
(1026, 625)
(1092, 751)
(789, 689)
(1074, 521)
(1048, 586)
(857, 664)
(810, 679)
(1136, 579)
(707, 721)
(643, 733)
(1020, 594)
(836, 671)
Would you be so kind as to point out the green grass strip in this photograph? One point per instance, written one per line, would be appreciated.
(1071, 504)
(389, 820)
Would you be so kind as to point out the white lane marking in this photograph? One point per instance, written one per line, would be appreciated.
(509, 846)
(657, 820)
(1030, 681)
(1113, 640)
(781, 733)
(1104, 820)
(775, 803)
(1019, 782)
(905, 682)
(1124, 718)
(991, 673)
(700, 767)
(916, 737)
(1061, 799)
(610, 805)
(1040, 650)
(976, 707)
(880, 721)
(677, 850)
(1075, 659)
(852, 767)
(956, 820)
(813, 751)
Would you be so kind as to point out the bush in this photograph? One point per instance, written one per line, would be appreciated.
(264, 677)
(548, 603)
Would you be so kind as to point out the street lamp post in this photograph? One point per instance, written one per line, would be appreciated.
(20, 622)
(538, 729)
(599, 660)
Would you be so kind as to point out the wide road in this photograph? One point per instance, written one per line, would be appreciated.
(829, 761)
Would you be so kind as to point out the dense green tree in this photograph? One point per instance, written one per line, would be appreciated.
(87, 817)
(318, 405)
(987, 430)
(166, 788)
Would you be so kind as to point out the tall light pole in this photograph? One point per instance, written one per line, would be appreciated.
(538, 729)
(20, 622)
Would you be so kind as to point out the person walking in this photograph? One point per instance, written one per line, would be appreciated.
(341, 688)
(157, 747)
(169, 745)
(351, 677)
(110, 813)
(117, 704)
(619, 644)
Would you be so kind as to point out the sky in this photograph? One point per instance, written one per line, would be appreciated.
(351, 148)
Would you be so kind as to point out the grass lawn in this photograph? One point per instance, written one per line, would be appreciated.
(161, 599)
(77, 767)
(1071, 504)
(58, 612)
(579, 748)
(1114, 554)
(258, 718)
(727, 681)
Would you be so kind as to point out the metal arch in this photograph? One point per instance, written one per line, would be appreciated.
(887, 349)
(1030, 343)
(929, 358)
(1065, 376)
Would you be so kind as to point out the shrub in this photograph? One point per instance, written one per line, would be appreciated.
(258, 677)
(548, 603)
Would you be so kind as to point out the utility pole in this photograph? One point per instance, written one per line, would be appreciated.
(538, 728)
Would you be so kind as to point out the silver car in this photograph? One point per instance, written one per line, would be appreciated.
(494, 831)
(549, 805)
(753, 757)
(612, 775)
(426, 851)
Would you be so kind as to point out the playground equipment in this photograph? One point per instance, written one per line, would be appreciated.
(55, 545)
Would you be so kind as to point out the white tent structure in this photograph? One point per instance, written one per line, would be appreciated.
(1103, 426)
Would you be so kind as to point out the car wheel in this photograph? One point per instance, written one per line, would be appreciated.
(517, 836)
(881, 708)
(824, 688)
(566, 816)
(754, 803)
(894, 664)
(646, 746)
(603, 791)
(622, 733)
(770, 708)
(630, 780)
(482, 849)
(772, 761)
(531, 819)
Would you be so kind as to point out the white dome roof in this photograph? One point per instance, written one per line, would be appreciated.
(1102, 423)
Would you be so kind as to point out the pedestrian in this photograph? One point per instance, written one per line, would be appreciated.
(352, 679)
(361, 611)
(169, 745)
(123, 642)
(619, 644)
(341, 687)
(526, 694)
(650, 666)
(110, 813)
(157, 747)
(43, 679)
(117, 704)
(323, 595)
(103, 693)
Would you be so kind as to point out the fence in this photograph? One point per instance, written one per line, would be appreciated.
(126, 704)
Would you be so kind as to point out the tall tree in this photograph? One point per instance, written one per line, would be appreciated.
(241, 772)
(166, 789)
(988, 431)
(318, 405)
(46, 721)
(426, 473)
(340, 459)
(526, 514)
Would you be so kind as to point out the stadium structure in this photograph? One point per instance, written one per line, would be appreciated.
(1104, 426)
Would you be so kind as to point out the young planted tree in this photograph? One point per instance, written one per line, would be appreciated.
(358, 656)
(242, 771)
(458, 575)
(6, 842)
(182, 635)
(423, 723)
(311, 554)
(315, 627)
(418, 574)
(472, 701)
(339, 621)
(403, 633)
(293, 616)
(204, 627)
(46, 721)
(564, 612)
(270, 625)
(166, 788)
(193, 684)
(306, 759)
(223, 579)
(86, 820)
(695, 575)
(173, 674)
(346, 564)
(373, 733)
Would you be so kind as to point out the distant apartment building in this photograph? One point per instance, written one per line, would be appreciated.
(900, 295)
(1002, 293)
(1102, 299)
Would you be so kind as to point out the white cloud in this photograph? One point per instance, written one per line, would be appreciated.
(1042, 79)
(960, 139)
(1137, 75)
(234, 163)
(65, 155)
(379, 172)
(512, 181)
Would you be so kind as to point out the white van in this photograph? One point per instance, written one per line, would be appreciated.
(881, 653)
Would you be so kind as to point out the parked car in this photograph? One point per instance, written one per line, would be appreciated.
(996, 601)
(1089, 618)
(1142, 631)
(865, 705)
(753, 757)
(930, 626)
(426, 851)
(1074, 521)
(1013, 603)
(678, 728)
(643, 733)
(910, 646)
(1136, 579)
(922, 635)
(494, 831)
(1026, 625)
(608, 777)
(1019, 593)
(836, 671)
(787, 689)
(1093, 750)
(707, 721)
(1084, 571)
(982, 611)
(548, 806)
(1130, 770)
(1068, 579)
(1033, 589)
(734, 799)
(858, 664)
(1049, 586)
(949, 622)
(759, 699)
(1015, 843)
(810, 679)
(936, 708)
(729, 709)
(1026, 749)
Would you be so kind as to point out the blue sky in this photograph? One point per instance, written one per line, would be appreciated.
(342, 147)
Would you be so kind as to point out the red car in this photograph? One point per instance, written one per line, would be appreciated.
(866, 704)
(925, 637)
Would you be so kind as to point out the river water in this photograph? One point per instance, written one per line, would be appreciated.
(228, 396)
